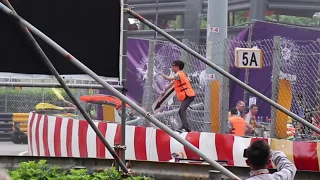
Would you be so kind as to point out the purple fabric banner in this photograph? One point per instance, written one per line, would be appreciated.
(294, 67)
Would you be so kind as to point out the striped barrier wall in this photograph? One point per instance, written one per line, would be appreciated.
(63, 137)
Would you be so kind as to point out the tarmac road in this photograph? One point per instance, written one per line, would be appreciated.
(11, 149)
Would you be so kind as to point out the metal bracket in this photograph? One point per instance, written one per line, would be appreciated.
(120, 147)
(128, 9)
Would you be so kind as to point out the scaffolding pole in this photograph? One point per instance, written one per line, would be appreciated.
(122, 97)
(45, 59)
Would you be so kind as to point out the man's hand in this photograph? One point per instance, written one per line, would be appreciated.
(163, 92)
(161, 73)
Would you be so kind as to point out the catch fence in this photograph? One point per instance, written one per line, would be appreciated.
(290, 76)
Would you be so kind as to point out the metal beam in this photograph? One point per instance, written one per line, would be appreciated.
(157, 170)
(178, 33)
(55, 85)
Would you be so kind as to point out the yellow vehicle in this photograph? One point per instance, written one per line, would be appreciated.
(20, 124)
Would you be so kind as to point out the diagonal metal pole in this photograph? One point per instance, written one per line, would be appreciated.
(53, 70)
(122, 97)
(223, 72)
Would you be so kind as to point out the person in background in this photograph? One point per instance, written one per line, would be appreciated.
(240, 107)
(237, 125)
(184, 91)
(250, 117)
(258, 156)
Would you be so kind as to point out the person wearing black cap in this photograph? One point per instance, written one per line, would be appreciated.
(184, 91)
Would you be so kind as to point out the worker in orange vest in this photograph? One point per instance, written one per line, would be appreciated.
(184, 91)
(237, 125)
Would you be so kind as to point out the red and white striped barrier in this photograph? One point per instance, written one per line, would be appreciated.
(64, 137)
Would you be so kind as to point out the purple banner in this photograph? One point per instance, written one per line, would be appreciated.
(294, 66)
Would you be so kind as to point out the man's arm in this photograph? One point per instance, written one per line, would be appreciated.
(229, 127)
(175, 77)
(286, 169)
(249, 127)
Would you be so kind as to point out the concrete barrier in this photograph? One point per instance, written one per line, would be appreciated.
(65, 137)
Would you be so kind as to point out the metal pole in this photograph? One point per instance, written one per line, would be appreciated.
(124, 78)
(55, 85)
(53, 70)
(217, 30)
(223, 72)
(247, 70)
(275, 82)
(122, 97)
(146, 101)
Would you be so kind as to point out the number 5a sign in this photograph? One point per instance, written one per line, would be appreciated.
(248, 58)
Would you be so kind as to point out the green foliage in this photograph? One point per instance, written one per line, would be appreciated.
(42, 171)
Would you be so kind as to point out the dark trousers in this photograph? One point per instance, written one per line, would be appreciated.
(183, 113)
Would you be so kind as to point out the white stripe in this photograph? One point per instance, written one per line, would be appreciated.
(63, 137)
(152, 154)
(33, 130)
(41, 147)
(75, 138)
(29, 132)
(148, 141)
(92, 142)
(239, 145)
(177, 147)
(130, 152)
(51, 126)
(111, 133)
(207, 145)
(23, 153)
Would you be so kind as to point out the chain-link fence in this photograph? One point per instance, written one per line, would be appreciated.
(25, 99)
(290, 76)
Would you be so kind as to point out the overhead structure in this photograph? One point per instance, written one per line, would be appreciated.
(189, 11)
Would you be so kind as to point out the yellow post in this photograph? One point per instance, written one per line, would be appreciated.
(284, 99)
(215, 106)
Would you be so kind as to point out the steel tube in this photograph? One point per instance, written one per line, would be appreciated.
(223, 72)
(55, 85)
(53, 70)
(118, 94)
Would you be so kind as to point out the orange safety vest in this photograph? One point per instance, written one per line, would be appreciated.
(238, 126)
(183, 87)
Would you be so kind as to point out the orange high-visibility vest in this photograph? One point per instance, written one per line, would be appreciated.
(238, 126)
(183, 87)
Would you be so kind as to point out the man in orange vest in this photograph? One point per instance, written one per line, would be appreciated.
(237, 125)
(184, 91)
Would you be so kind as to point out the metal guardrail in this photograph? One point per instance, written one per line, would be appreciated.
(158, 170)
(6, 126)
(175, 7)
(179, 33)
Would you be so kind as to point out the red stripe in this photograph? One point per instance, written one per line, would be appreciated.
(45, 136)
(305, 156)
(224, 147)
(140, 135)
(69, 137)
(256, 139)
(57, 135)
(101, 149)
(163, 145)
(30, 133)
(117, 138)
(37, 134)
(82, 135)
(193, 138)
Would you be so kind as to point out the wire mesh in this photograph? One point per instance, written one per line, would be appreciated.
(25, 99)
(298, 65)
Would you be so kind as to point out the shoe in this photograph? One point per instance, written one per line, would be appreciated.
(181, 130)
